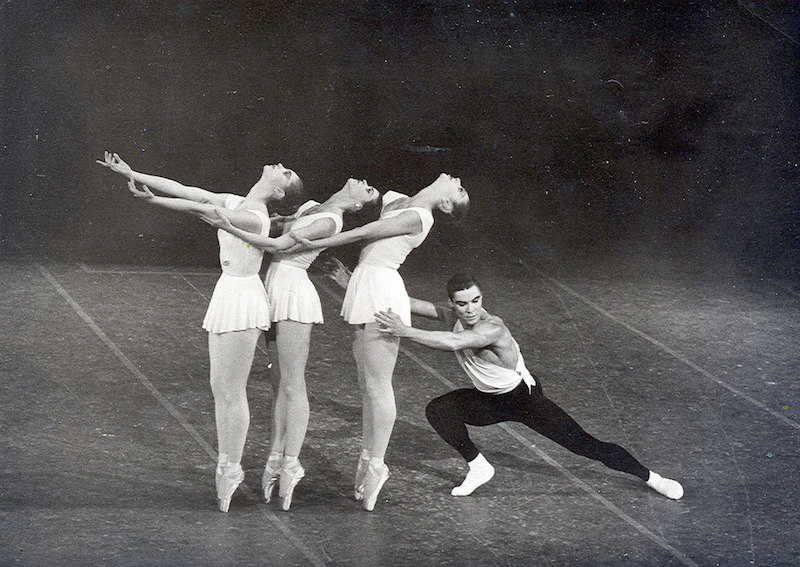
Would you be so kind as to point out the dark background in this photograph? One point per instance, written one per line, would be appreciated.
(669, 128)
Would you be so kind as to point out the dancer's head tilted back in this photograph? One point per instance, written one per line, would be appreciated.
(449, 196)
(277, 183)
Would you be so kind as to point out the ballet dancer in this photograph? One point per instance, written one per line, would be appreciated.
(375, 284)
(295, 307)
(239, 310)
(504, 389)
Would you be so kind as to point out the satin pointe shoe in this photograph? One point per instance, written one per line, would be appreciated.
(373, 482)
(358, 485)
(289, 477)
(230, 480)
(272, 472)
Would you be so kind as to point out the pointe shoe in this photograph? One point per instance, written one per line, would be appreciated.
(218, 476)
(289, 477)
(272, 472)
(228, 483)
(373, 482)
(358, 485)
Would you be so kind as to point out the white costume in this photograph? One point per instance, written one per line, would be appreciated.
(491, 378)
(291, 294)
(239, 300)
(375, 284)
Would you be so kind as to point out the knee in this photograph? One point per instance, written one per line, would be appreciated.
(295, 390)
(227, 393)
(433, 411)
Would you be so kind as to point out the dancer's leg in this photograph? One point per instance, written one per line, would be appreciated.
(366, 408)
(545, 417)
(231, 357)
(293, 345)
(366, 413)
(380, 355)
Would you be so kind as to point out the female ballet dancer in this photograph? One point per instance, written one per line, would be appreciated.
(377, 286)
(239, 309)
(295, 307)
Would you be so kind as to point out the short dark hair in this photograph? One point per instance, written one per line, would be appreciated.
(460, 282)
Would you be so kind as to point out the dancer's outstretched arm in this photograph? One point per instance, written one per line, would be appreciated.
(162, 184)
(481, 335)
(404, 223)
(245, 220)
(320, 228)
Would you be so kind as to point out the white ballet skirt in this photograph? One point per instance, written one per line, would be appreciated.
(239, 301)
(375, 284)
(292, 295)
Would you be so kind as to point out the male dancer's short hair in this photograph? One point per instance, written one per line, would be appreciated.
(460, 282)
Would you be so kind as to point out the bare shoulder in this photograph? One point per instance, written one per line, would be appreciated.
(496, 327)
(491, 325)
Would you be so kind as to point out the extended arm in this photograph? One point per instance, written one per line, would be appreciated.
(319, 228)
(405, 223)
(162, 184)
(241, 219)
(479, 336)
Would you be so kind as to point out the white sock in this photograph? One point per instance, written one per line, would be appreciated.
(668, 487)
(480, 472)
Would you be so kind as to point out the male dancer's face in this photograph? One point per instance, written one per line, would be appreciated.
(468, 304)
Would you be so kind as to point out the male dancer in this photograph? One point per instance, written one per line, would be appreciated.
(504, 389)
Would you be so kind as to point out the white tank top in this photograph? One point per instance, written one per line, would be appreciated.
(491, 378)
(305, 258)
(391, 252)
(237, 257)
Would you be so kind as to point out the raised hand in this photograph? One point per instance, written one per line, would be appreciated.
(337, 271)
(143, 193)
(115, 164)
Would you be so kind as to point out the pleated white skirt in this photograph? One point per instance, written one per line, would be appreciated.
(292, 295)
(373, 289)
(238, 303)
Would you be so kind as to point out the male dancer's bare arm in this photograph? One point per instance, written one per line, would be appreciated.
(480, 336)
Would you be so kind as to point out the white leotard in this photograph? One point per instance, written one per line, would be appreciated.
(239, 300)
(292, 295)
(375, 284)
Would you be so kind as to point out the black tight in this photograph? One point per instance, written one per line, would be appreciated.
(451, 413)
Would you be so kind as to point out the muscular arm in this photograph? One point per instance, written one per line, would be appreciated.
(404, 223)
(482, 335)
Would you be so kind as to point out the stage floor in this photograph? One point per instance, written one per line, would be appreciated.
(108, 443)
